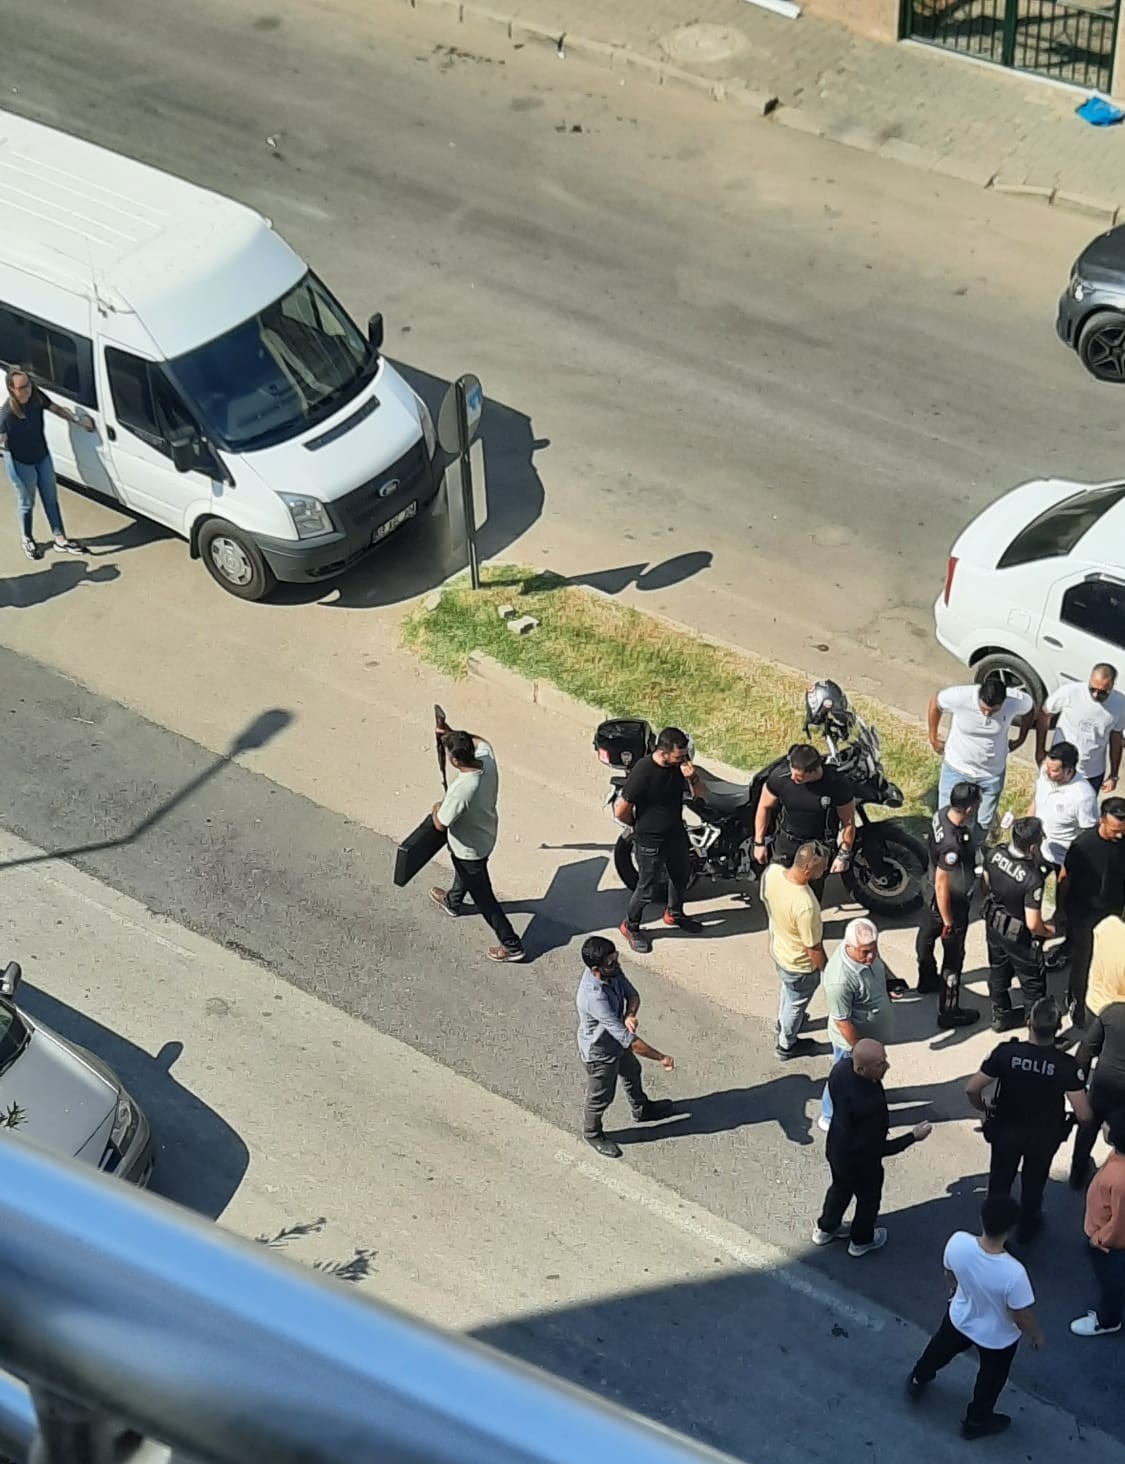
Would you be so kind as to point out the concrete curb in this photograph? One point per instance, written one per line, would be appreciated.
(735, 92)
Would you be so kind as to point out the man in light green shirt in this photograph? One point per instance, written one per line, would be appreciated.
(859, 1002)
(468, 815)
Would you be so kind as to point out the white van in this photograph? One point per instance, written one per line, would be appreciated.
(234, 399)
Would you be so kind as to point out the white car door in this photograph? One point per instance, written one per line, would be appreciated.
(1083, 623)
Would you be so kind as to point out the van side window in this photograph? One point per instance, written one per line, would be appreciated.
(60, 361)
(147, 405)
(1098, 607)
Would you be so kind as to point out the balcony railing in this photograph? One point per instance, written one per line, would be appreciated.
(132, 1322)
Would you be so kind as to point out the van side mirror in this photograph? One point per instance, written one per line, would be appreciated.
(185, 448)
(10, 979)
(375, 332)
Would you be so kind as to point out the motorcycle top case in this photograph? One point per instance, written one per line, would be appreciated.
(622, 742)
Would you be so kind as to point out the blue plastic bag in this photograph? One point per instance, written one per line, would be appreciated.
(1099, 112)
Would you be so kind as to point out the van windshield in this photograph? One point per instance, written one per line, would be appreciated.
(14, 1035)
(279, 372)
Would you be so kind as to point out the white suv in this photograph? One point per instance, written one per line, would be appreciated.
(1035, 586)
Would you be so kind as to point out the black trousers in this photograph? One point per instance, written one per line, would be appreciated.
(1109, 1272)
(471, 877)
(1104, 1099)
(659, 860)
(601, 1086)
(1027, 1152)
(1080, 952)
(861, 1180)
(948, 983)
(1024, 963)
(995, 1365)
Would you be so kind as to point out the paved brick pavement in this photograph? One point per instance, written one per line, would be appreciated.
(914, 103)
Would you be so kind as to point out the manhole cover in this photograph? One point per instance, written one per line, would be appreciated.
(701, 44)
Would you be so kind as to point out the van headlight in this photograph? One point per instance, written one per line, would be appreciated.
(428, 430)
(309, 515)
(125, 1121)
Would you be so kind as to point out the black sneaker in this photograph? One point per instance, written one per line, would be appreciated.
(636, 940)
(683, 922)
(996, 1423)
(32, 549)
(800, 1048)
(603, 1146)
(915, 1389)
(654, 1108)
(957, 1017)
(1008, 1020)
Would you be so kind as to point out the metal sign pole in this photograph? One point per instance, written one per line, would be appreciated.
(464, 442)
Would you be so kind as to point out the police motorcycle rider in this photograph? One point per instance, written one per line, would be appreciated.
(1014, 877)
(953, 872)
(809, 798)
(1026, 1119)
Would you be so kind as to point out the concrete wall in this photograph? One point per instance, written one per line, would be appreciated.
(875, 18)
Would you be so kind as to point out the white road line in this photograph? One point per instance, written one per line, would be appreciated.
(749, 1252)
(116, 916)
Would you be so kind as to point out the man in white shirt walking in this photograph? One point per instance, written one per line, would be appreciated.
(1064, 802)
(1090, 715)
(977, 746)
(991, 1307)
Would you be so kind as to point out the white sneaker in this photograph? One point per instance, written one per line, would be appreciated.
(877, 1242)
(823, 1124)
(1087, 1326)
(826, 1237)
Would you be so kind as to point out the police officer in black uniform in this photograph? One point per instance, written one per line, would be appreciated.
(953, 874)
(1026, 1120)
(812, 801)
(1014, 876)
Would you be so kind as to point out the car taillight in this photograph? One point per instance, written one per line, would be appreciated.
(950, 571)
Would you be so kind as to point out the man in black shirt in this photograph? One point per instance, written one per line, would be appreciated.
(652, 801)
(1026, 1121)
(1105, 1040)
(952, 851)
(1091, 886)
(810, 801)
(857, 1145)
(1014, 926)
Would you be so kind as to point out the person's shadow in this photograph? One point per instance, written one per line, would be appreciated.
(22, 591)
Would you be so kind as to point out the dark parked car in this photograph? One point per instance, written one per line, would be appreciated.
(1092, 309)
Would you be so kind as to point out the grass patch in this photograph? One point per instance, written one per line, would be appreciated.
(738, 708)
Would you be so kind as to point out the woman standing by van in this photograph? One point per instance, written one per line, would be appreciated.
(24, 445)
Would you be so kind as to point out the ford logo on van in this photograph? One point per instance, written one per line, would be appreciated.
(388, 488)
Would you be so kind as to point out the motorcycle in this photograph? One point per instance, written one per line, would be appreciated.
(888, 864)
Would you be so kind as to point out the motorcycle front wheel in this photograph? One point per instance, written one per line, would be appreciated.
(888, 870)
(625, 863)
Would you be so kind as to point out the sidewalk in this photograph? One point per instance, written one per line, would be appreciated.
(914, 104)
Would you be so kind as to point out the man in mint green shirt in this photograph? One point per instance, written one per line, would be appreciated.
(468, 815)
(859, 1003)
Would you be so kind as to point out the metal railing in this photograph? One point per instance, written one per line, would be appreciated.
(134, 1323)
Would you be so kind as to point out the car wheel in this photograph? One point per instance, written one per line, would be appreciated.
(1017, 674)
(1101, 345)
(234, 561)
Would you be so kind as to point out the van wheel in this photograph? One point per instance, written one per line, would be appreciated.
(1016, 673)
(234, 561)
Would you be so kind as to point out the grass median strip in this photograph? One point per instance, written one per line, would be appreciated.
(742, 709)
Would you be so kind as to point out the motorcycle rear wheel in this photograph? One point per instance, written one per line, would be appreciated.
(625, 863)
(901, 862)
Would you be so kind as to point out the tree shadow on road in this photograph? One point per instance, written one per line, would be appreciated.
(200, 1159)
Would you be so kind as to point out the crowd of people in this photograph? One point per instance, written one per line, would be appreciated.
(1030, 1090)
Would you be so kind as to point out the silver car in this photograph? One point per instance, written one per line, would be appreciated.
(65, 1099)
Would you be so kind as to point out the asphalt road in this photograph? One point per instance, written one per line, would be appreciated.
(768, 379)
(278, 879)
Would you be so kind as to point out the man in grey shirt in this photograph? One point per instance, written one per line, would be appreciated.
(857, 988)
(608, 1044)
(468, 815)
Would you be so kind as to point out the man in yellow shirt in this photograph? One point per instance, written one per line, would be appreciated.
(796, 940)
(1107, 965)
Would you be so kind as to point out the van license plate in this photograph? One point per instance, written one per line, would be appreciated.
(396, 521)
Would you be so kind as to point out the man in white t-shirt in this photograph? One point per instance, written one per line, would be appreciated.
(977, 745)
(1092, 717)
(990, 1307)
(1064, 802)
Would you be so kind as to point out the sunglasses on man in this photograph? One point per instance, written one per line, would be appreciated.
(1099, 693)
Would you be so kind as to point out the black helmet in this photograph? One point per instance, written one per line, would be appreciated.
(826, 704)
